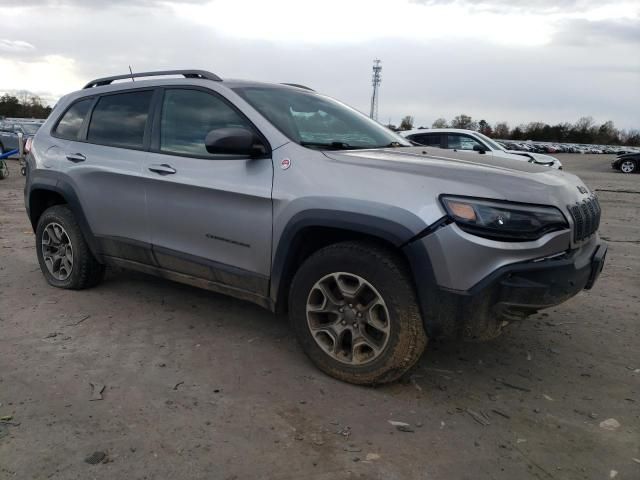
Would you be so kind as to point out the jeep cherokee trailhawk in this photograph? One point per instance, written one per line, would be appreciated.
(287, 198)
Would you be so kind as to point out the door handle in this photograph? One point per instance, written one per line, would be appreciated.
(162, 169)
(76, 157)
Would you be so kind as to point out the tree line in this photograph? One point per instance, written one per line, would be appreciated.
(24, 105)
(585, 130)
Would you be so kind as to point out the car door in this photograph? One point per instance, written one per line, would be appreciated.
(210, 215)
(102, 154)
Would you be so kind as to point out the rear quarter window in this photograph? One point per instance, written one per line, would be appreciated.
(70, 123)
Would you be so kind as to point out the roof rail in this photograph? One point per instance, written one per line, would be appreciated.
(99, 82)
(298, 86)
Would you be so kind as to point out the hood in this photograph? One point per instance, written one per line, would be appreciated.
(441, 158)
(482, 176)
(540, 158)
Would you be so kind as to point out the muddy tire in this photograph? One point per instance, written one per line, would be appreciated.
(63, 253)
(354, 311)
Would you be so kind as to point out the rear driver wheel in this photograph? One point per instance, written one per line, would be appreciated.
(63, 253)
(354, 311)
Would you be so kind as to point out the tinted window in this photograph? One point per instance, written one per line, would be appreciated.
(463, 142)
(430, 139)
(71, 122)
(120, 119)
(189, 115)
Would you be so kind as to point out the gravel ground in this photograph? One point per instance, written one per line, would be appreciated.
(197, 385)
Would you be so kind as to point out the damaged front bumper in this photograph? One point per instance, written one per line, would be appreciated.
(509, 293)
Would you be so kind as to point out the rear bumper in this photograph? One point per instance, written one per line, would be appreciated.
(510, 293)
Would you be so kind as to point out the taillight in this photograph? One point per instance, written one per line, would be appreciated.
(27, 145)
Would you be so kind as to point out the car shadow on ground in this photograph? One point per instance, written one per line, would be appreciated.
(503, 363)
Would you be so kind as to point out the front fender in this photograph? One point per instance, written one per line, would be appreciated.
(392, 225)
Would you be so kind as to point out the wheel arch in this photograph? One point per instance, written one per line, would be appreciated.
(310, 230)
(45, 191)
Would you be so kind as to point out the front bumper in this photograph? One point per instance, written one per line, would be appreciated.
(510, 293)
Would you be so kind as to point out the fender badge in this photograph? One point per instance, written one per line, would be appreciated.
(285, 163)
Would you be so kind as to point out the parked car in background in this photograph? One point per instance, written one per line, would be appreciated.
(469, 140)
(627, 163)
(9, 130)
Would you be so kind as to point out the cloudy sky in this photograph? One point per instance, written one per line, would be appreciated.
(511, 60)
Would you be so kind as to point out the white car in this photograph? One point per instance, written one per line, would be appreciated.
(468, 140)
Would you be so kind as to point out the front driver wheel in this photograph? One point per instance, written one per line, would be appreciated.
(355, 313)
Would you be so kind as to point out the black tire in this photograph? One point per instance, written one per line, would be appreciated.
(628, 166)
(86, 271)
(386, 272)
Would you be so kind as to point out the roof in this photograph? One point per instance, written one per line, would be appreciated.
(436, 130)
(161, 77)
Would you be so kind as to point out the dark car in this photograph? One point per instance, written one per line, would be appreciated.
(627, 163)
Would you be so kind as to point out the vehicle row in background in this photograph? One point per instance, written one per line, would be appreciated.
(544, 147)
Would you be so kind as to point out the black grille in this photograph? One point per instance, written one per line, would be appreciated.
(586, 218)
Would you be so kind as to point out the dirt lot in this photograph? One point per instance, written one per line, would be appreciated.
(198, 385)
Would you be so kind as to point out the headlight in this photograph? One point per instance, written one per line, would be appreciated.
(500, 220)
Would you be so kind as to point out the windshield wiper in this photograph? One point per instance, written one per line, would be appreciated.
(331, 145)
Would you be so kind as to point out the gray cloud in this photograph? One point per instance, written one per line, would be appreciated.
(91, 3)
(491, 5)
(558, 82)
(14, 46)
(585, 32)
(545, 6)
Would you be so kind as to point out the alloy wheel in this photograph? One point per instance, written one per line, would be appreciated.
(627, 166)
(348, 318)
(57, 251)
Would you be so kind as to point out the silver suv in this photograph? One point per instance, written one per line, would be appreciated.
(287, 198)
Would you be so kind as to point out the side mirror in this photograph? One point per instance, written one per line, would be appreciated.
(234, 141)
(479, 149)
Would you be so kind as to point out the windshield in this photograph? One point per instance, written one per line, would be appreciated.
(492, 144)
(30, 128)
(316, 121)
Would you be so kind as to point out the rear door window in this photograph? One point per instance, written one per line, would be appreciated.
(70, 124)
(120, 120)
